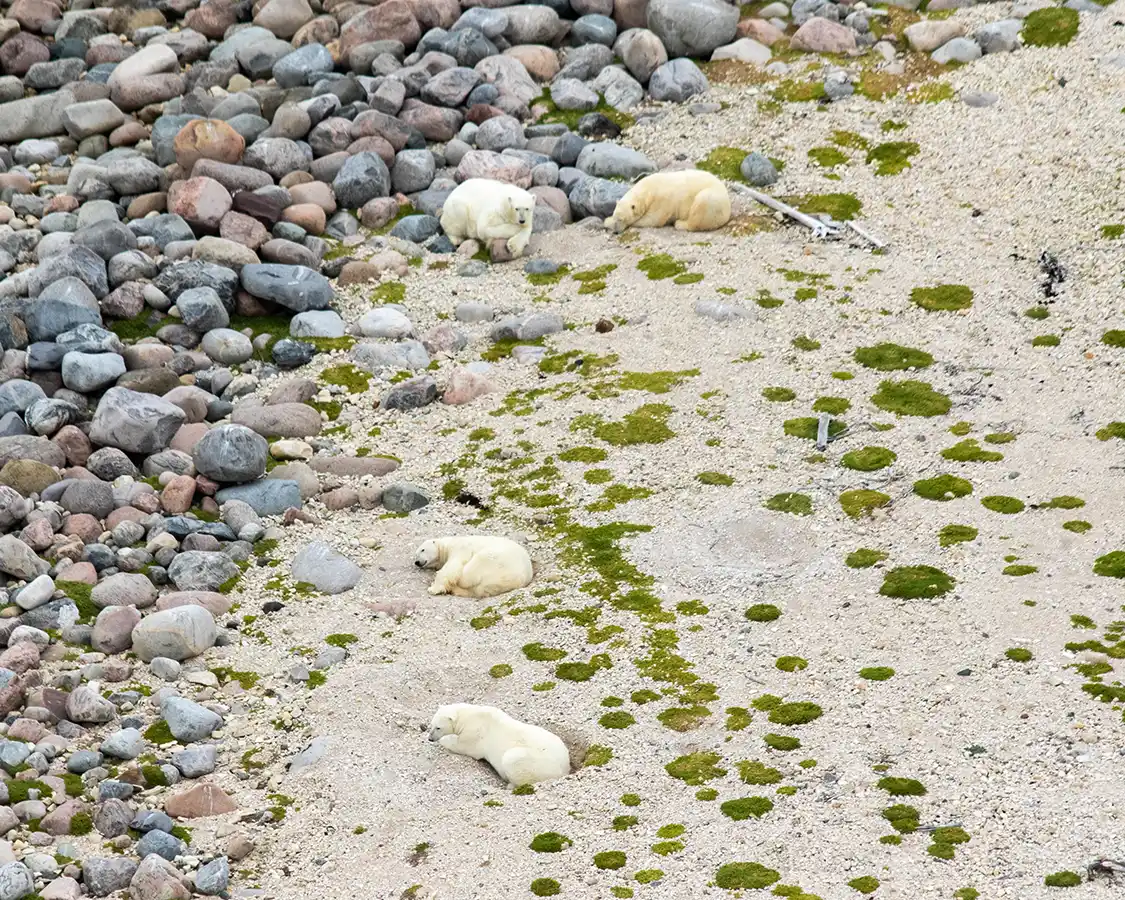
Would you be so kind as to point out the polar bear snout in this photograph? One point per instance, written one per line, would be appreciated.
(419, 564)
(435, 733)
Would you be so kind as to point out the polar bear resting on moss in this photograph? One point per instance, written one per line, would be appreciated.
(475, 565)
(520, 753)
(691, 199)
(486, 210)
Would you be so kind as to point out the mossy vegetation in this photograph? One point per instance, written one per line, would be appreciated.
(892, 158)
(793, 91)
(715, 479)
(1046, 340)
(617, 719)
(805, 343)
(746, 807)
(724, 163)
(797, 713)
(806, 427)
(500, 670)
(956, 534)
(696, 768)
(904, 819)
(901, 787)
(866, 884)
(916, 583)
(1062, 502)
(943, 488)
(1063, 879)
(860, 503)
(827, 157)
(841, 207)
(868, 459)
(738, 718)
(647, 424)
(791, 663)
(743, 876)
(1077, 526)
(877, 673)
(545, 887)
(793, 503)
(592, 281)
(1054, 26)
(864, 558)
(783, 743)
(911, 398)
(943, 298)
(610, 859)
(763, 612)
(1110, 431)
(550, 842)
(832, 405)
(1111, 565)
(779, 394)
(757, 773)
(969, 450)
(1000, 504)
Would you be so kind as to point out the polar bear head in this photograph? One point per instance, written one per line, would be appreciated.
(521, 208)
(428, 556)
(627, 211)
(444, 722)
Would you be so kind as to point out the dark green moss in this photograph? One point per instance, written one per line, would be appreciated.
(943, 298)
(805, 343)
(779, 394)
(956, 534)
(624, 823)
(904, 819)
(833, 405)
(550, 842)
(867, 884)
(942, 488)
(800, 713)
(911, 398)
(970, 451)
(696, 768)
(893, 157)
(806, 427)
(1063, 879)
(610, 859)
(1017, 570)
(746, 807)
(791, 663)
(916, 582)
(901, 787)
(1000, 504)
(159, 733)
(793, 503)
(738, 718)
(588, 455)
(597, 755)
(617, 719)
(660, 266)
(741, 876)
(648, 424)
(725, 163)
(857, 504)
(1111, 565)
(545, 887)
(763, 612)
(1077, 526)
(841, 207)
(864, 558)
(500, 670)
(892, 357)
(827, 157)
(782, 742)
(1112, 430)
(648, 876)
(757, 773)
(877, 673)
(715, 479)
(868, 459)
(1054, 26)
(1063, 502)
(536, 652)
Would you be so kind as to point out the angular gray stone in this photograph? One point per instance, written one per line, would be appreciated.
(16, 881)
(200, 570)
(188, 721)
(294, 287)
(162, 844)
(201, 309)
(128, 743)
(404, 497)
(104, 876)
(179, 633)
(19, 560)
(692, 27)
(231, 453)
(213, 878)
(268, 497)
(87, 706)
(363, 177)
(608, 160)
(195, 762)
(758, 170)
(677, 80)
(89, 373)
(135, 422)
(321, 566)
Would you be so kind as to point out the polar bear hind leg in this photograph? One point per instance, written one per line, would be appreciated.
(522, 766)
(709, 211)
(481, 578)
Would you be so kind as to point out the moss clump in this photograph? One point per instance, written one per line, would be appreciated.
(1063, 502)
(746, 807)
(806, 427)
(673, 830)
(348, 376)
(159, 733)
(1111, 565)
(841, 207)
(501, 670)
(893, 157)
(79, 594)
(864, 558)
(648, 876)
(857, 504)
(154, 776)
(587, 455)
(247, 680)
(1000, 504)
(74, 784)
(793, 91)
(660, 266)
(536, 652)
(793, 503)
(543, 278)
(916, 583)
(1019, 654)
(943, 298)
(827, 157)
(630, 800)
(766, 702)
(715, 479)
(890, 358)
(833, 405)
(1054, 26)
(877, 673)
(696, 768)
(1077, 526)
(969, 450)
(316, 679)
(1046, 340)
(624, 823)
(1037, 313)
(806, 343)
(647, 424)
(956, 534)
(341, 640)
(868, 459)
(757, 773)
(901, 787)
(597, 476)
(610, 859)
(1112, 430)
(867, 884)
(800, 713)
(1063, 879)
(18, 791)
(738, 718)
(724, 163)
(763, 612)
(593, 280)
(1020, 570)
(911, 398)
(545, 887)
(742, 876)
(791, 663)
(782, 742)
(943, 488)
(550, 842)
(706, 794)
(81, 823)
(1112, 232)
(904, 819)
(617, 719)
(597, 755)
(779, 394)
(1115, 338)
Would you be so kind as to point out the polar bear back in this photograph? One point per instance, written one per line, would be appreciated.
(667, 197)
(521, 753)
(500, 551)
(480, 208)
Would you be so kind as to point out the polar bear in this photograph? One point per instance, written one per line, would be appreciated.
(693, 200)
(520, 753)
(475, 565)
(484, 209)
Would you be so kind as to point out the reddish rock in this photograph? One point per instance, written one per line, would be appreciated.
(308, 216)
(63, 203)
(187, 436)
(266, 210)
(819, 35)
(20, 52)
(108, 53)
(321, 30)
(74, 444)
(125, 302)
(38, 535)
(213, 18)
(200, 801)
(482, 112)
(132, 94)
(178, 494)
(315, 192)
(113, 629)
(465, 386)
(82, 526)
(79, 573)
(201, 201)
(341, 498)
(761, 31)
(373, 144)
(243, 229)
(542, 63)
(489, 164)
(128, 134)
(283, 17)
(630, 14)
(392, 20)
(207, 139)
(26, 730)
(11, 697)
(18, 183)
(435, 13)
(34, 14)
(378, 212)
(436, 123)
(144, 204)
(553, 198)
(125, 514)
(20, 658)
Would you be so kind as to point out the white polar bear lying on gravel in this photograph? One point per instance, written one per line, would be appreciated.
(693, 200)
(520, 753)
(486, 210)
(475, 565)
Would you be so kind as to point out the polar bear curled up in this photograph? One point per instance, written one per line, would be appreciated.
(475, 565)
(690, 199)
(486, 210)
(520, 753)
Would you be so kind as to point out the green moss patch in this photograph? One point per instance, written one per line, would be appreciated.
(783, 743)
(1019, 654)
(841, 207)
(500, 670)
(868, 459)
(763, 612)
(867, 884)
(545, 887)
(1000, 504)
(715, 479)
(892, 158)
(857, 504)
(1046, 340)
(742, 876)
(864, 558)
(827, 157)
(1077, 526)
(1112, 430)
(806, 427)
(588, 455)
(550, 842)
(800, 713)
(904, 819)
(696, 768)
(901, 787)
(791, 663)
(757, 773)
(793, 503)
(724, 163)
(617, 719)
(956, 534)
(1054, 26)
(1063, 880)
(911, 398)
(647, 424)
(1111, 565)
(877, 673)
(943, 298)
(779, 394)
(610, 859)
(916, 583)
(942, 488)
(660, 266)
(805, 343)
(832, 405)
(969, 450)
(746, 808)
(1063, 502)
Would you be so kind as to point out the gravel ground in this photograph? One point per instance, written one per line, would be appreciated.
(1014, 752)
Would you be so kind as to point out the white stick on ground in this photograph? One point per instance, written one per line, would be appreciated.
(822, 431)
(818, 228)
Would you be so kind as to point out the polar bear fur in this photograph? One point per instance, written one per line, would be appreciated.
(475, 565)
(520, 753)
(486, 210)
(691, 199)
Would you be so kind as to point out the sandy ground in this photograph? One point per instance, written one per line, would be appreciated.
(1041, 790)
